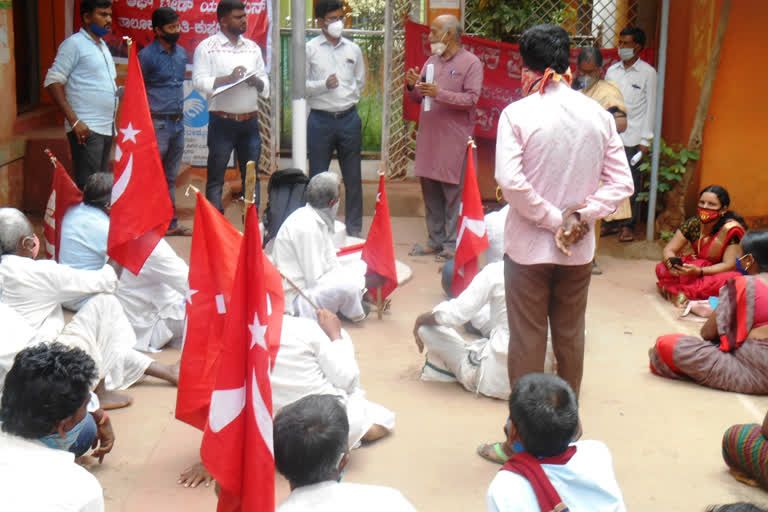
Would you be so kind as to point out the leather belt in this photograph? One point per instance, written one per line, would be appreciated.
(236, 117)
(335, 115)
(168, 117)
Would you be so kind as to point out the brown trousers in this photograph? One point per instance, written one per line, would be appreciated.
(541, 294)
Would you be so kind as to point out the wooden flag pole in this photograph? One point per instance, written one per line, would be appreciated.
(298, 290)
(379, 302)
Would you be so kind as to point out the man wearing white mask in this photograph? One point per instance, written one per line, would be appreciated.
(637, 81)
(448, 88)
(335, 80)
(305, 254)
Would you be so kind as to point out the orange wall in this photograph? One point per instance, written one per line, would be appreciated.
(732, 154)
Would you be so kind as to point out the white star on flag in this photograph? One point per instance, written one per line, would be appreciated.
(129, 133)
(257, 332)
(189, 294)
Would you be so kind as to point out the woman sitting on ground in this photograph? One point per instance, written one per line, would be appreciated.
(732, 353)
(714, 235)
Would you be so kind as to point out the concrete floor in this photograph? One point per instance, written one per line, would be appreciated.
(664, 435)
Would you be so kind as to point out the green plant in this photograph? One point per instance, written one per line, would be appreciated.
(672, 161)
(505, 20)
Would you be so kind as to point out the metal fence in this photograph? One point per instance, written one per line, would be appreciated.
(371, 101)
(590, 22)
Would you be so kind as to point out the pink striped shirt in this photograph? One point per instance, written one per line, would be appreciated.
(552, 152)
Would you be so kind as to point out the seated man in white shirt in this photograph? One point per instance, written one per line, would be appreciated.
(311, 452)
(44, 412)
(154, 301)
(545, 469)
(305, 254)
(318, 357)
(36, 289)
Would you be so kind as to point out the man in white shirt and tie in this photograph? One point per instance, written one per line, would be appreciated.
(220, 60)
(335, 80)
(637, 81)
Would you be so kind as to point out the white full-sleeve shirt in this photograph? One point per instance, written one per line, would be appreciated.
(38, 478)
(345, 60)
(36, 289)
(345, 497)
(304, 250)
(216, 56)
(638, 86)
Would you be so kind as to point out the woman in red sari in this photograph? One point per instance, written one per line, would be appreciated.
(732, 352)
(714, 236)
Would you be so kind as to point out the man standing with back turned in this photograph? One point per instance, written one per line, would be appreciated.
(223, 59)
(164, 64)
(81, 82)
(335, 80)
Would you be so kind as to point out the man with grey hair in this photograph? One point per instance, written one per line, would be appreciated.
(36, 290)
(448, 88)
(305, 254)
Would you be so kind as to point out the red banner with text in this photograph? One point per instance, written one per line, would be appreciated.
(501, 73)
(198, 20)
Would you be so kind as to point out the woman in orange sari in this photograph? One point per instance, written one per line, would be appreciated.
(714, 235)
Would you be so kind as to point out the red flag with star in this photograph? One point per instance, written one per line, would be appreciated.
(64, 193)
(472, 237)
(212, 265)
(141, 207)
(237, 446)
(379, 249)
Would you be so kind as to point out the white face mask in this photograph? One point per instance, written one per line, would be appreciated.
(439, 47)
(335, 29)
(626, 53)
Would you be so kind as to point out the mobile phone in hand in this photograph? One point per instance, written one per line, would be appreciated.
(676, 261)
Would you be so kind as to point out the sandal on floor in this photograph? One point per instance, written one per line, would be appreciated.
(179, 231)
(499, 457)
(608, 230)
(418, 250)
(626, 235)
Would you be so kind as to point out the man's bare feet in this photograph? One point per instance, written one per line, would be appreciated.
(111, 399)
(195, 475)
(375, 433)
(167, 373)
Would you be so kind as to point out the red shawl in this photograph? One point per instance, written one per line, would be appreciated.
(529, 467)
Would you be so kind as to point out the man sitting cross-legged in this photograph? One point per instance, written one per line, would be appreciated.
(36, 289)
(550, 472)
(305, 254)
(44, 415)
(153, 300)
(318, 357)
(311, 451)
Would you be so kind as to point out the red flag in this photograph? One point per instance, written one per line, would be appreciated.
(141, 208)
(472, 237)
(237, 444)
(212, 265)
(64, 193)
(379, 250)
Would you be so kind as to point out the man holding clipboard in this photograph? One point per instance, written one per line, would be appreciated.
(229, 72)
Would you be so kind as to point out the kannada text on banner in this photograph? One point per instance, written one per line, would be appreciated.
(501, 73)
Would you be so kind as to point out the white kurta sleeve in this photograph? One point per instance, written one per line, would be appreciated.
(164, 265)
(66, 284)
(460, 310)
(337, 360)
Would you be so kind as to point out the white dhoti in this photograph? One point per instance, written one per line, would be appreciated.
(102, 330)
(363, 414)
(336, 291)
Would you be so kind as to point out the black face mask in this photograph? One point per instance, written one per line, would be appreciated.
(171, 38)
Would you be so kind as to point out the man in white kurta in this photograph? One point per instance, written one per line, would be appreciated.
(305, 254)
(310, 361)
(153, 301)
(480, 366)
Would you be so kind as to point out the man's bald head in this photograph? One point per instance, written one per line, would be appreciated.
(449, 25)
(14, 227)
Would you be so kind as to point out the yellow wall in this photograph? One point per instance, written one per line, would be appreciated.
(734, 135)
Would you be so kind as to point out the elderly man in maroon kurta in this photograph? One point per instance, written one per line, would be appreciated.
(445, 123)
